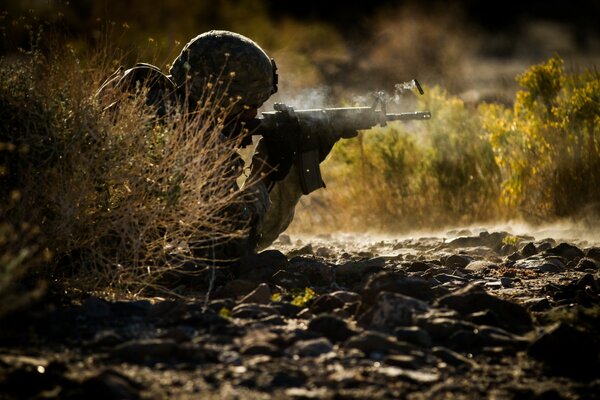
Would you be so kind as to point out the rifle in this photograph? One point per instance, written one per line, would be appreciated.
(297, 135)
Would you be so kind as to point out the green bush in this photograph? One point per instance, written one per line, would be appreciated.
(539, 161)
(422, 175)
(548, 144)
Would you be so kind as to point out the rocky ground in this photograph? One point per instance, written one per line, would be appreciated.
(469, 314)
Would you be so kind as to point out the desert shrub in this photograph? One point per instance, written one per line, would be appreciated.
(109, 200)
(417, 175)
(548, 145)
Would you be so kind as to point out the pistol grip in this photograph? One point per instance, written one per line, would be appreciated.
(309, 170)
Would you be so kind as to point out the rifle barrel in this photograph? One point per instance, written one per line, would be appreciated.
(418, 115)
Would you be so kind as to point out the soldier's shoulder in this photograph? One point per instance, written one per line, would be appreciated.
(147, 75)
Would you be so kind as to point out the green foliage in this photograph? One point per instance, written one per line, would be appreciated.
(302, 297)
(538, 160)
(548, 145)
(420, 175)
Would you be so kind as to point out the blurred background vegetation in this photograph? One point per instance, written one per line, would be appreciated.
(513, 88)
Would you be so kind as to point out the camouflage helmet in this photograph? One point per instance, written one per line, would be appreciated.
(244, 71)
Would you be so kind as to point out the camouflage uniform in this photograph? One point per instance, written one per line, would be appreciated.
(235, 70)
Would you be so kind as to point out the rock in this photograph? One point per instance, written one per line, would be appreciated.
(106, 338)
(180, 334)
(404, 361)
(331, 301)
(587, 263)
(480, 266)
(567, 350)
(260, 348)
(593, 253)
(391, 310)
(284, 239)
(417, 266)
(375, 342)
(303, 251)
(452, 358)
(332, 327)
(260, 295)
(491, 240)
(290, 280)
(446, 278)
(317, 272)
(458, 261)
(235, 288)
(353, 271)
(418, 376)
(151, 351)
(538, 264)
(511, 316)
(396, 283)
(167, 310)
(414, 335)
(325, 252)
(310, 348)
(485, 337)
(96, 308)
(260, 267)
(506, 282)
(286, 309)
(537, 304)
(253, 311)
(441, 329)
(109, 385)
(529, 250)
(131, 308)
(508, 249)
(566, 251)
(545, 244)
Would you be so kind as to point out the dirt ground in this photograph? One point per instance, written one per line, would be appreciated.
(466, 314)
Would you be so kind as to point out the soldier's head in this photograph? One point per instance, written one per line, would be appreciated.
(226, 67)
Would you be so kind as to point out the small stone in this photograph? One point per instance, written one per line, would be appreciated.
(593, 253)
(260, 267)
(353, 271)
(480, 266)
(511, 316)
(567, 350)
(332, 327)
(506, 282)
(396, 283)
(235, 288)
(529, 250)
(566, 251)
(588, 263)
(311, 348)
(302, 251)
(458, 261)
(290, 280)
(452, 358)
(317, 272)
(260, 295)
(414, 335)
(284, 239)
(404, 361)
(374, 342)
(260, 348)
(96, 308)
(391, 310)
(253, 311)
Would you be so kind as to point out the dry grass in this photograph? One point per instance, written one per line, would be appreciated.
(110, 200)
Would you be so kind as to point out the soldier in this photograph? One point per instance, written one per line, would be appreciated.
(249, 78)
